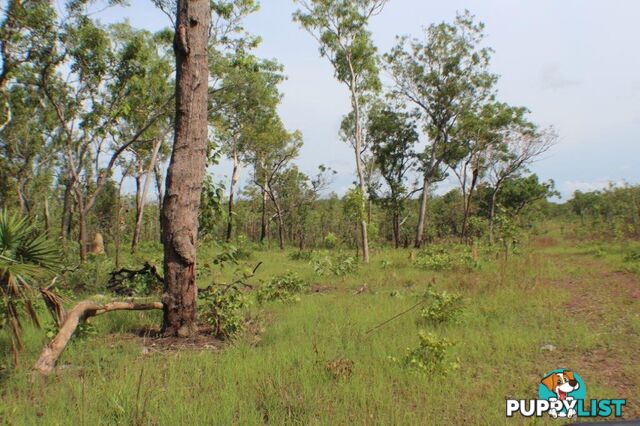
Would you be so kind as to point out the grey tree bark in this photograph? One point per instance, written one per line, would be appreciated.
(186, 168)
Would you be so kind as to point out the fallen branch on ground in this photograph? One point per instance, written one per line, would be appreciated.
(117, 277)
(83, 310)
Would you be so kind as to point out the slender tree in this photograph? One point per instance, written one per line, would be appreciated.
(444, 77)
(393, 136)
(521, 145)
(340, 27)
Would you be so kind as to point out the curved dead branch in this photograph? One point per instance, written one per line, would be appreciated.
(83, 310)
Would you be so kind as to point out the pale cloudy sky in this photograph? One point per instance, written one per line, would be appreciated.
(573, 63)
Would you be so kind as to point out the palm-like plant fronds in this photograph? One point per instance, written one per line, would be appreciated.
(26, 256)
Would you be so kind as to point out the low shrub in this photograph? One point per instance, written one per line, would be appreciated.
(441, 308)
(305, 256)
(444, 259)
(339, 266)
(632, 255)
(222, 308)
(284, 288)
(430, 355)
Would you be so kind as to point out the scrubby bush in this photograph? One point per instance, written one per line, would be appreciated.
(330, 241)
(632, 255)
(345, 266)
(302, 255)
(440, 308)
(284, 288)
(222, 308)
(430, 355)
(444, 258)
(339, 266)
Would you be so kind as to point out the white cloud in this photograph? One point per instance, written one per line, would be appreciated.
(568, 187)
(552, 78)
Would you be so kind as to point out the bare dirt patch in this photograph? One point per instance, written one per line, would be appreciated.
(152, 340)
(602, 296)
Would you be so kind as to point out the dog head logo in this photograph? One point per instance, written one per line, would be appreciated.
(562, 385)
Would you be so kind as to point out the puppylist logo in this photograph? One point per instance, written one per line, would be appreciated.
(563, 394)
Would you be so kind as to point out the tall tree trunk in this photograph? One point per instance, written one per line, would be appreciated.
(359, 169)
(235, 176)
(82, 232)
(422, 214)
(492, 215)
(159, 189)
(118, 232)
(396, 229)
(141, 201)
(467, 206)
(47, 216)
(65, 219)
(186, 168)
(279, 218)
(263, 221)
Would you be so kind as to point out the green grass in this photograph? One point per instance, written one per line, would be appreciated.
(511, 310)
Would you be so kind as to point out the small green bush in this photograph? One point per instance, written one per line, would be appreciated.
(302, 255)
(339, 266)
(222, 308)
(633, 255)
(345, 266)
(444, 259)
(430, 355)
(284, 288)
(321, 265)
(442, 308)
(330, 241)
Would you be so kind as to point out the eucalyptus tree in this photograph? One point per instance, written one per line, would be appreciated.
(443, 76)
(393, 136)
(340, 28)
(28, 151)
(26, 32)
(248, 92)
(521, 144)
(151, 85)
(272, 158)
(186, 167)
(479, 133)
(87, 82)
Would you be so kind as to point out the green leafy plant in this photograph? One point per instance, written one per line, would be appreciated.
(430, 355)
(222, 308)
(386, 264)
(444, 259)
(339, 266)
(442, 308)
(284, 288)
(345, 266)
(302, 255)
(330, 241)
(633, 255)
(321, 265)
(26, 257)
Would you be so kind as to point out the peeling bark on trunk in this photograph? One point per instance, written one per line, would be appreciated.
(186, 168)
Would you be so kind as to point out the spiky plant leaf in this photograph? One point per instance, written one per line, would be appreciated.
(25, 257)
